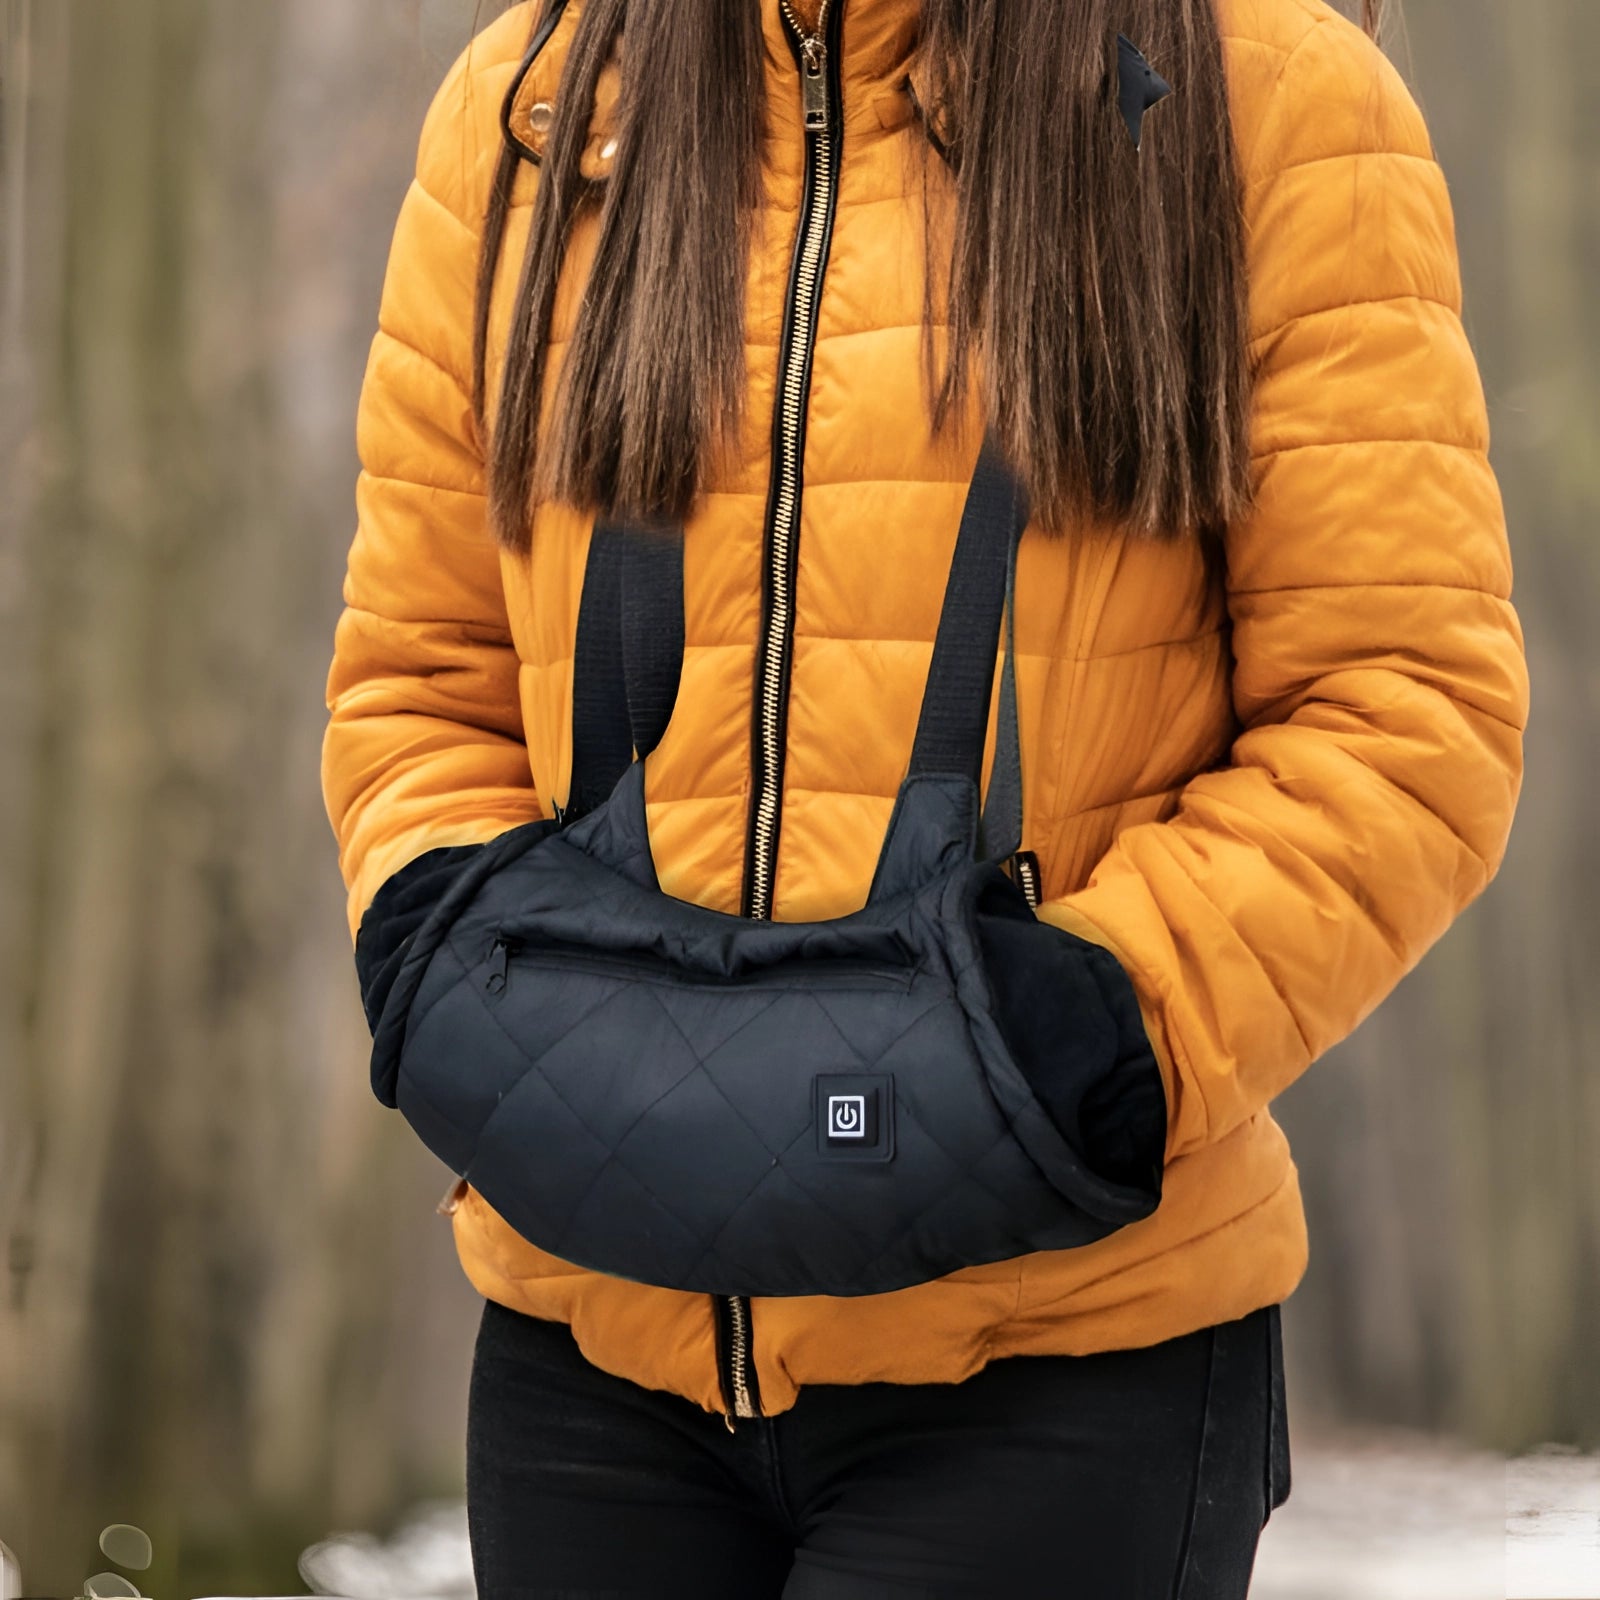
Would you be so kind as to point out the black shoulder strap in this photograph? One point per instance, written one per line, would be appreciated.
(652, 630)
(628, 656)
(601, 742)
(1000, 828)
(954, 723)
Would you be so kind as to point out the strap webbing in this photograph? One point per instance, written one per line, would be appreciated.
(954, 722)
(1000, 828)
(652, 630)
(601, 740)
(628, 656)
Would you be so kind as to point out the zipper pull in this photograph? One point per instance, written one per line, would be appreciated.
(499, 958)
(727, 1420)
(814, 85)
(1024, 868)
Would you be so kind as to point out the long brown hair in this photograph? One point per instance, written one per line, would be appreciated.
(1100, 288)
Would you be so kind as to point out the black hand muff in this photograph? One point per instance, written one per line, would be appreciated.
(1139, 86)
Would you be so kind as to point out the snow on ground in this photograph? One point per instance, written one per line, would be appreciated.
(1386, 1517)
(1553, 1527)
(1370, 1516)
(1394, 1516)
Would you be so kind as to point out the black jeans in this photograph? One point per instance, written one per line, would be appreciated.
(1142, 1474)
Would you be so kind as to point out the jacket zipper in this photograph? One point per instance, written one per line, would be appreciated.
(816, 56)
(820, 96)
(731, 1322)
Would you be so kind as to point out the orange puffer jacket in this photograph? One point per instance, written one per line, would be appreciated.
(1267, 785)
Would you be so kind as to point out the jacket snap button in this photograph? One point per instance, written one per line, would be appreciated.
(540, 115)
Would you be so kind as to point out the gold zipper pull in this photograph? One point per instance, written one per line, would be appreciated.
(814, 85)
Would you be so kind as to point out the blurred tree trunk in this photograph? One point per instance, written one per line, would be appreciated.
(203, 1328)
(30, 39)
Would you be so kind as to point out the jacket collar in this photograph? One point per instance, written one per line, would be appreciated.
(877, 39)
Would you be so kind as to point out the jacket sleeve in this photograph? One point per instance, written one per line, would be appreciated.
(424, 747)
(1379, 680)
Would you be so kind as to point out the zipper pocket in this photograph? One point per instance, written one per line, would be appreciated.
(823, 972)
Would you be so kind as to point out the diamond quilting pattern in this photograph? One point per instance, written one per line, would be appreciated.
(648, 1128)
(625, 1059)
(654, 1121)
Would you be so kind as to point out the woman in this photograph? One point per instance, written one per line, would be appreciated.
(771, 271)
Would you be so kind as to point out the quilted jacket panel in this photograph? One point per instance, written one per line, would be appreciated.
(1266, 790)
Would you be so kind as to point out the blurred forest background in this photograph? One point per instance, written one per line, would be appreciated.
(227, 1311)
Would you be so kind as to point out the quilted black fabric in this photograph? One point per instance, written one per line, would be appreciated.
(633, 1081)
(398, 910)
